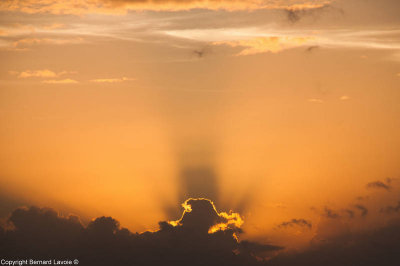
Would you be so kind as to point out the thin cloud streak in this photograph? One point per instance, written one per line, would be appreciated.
(121, 7)
(111, 80)
(60, 81)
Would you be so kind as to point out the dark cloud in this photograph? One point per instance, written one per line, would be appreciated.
(379, 246)
(298, 222)
(361, 198)
(391, 209)
(40, 233)
(294, 15)
(330, 213)
(380, 185)
(363, 209)
(312, 48)
(202, 52)
(8, 202)
(350, 213)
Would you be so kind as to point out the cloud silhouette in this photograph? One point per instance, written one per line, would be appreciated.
(391, 209)
(295, 14)
(329, 213)
(363, 209)
(380, 185)
(350, 213)
(369, 248)
(298, 222)
(40, 233)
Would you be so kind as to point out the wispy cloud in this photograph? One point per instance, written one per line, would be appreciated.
(314, 100)
(276, 39)
(43, 73)
(344, 98)
(27, 42)
(60, 81)
(266, 44)
(380, 184)
(111, 80)
(78, 7)
(295, 222)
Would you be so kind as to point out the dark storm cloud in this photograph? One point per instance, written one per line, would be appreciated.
(380, 184)
(40, 233)
(297, 222)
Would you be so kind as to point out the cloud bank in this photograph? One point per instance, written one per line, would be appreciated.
(202, 236)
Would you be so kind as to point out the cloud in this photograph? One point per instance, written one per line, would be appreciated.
(294, 14)
(350, 213)
(60, 81)
(111, 80)
(202, 52)
(27, 42)
(329, 213)
(369, 248)
(391, 209)
(312, 48)
(42, 233)
(363, 209)
(43, 73)
(122, 6)
(344, 98)
(298, 222)
(380, 185)
(314, 100)
(266, 44)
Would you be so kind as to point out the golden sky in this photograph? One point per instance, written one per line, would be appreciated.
(285, 111)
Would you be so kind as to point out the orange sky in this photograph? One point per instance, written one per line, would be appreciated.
(278, 110)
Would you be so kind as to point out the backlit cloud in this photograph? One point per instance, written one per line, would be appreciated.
(104, 242)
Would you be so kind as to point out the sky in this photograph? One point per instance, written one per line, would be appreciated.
(283, 111)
